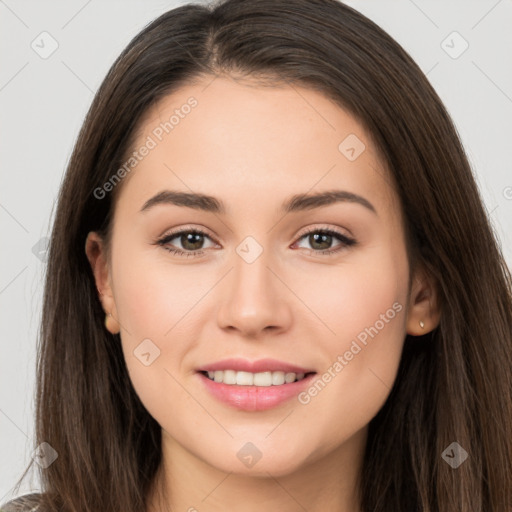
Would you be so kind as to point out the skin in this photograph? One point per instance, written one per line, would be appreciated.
(253, 147)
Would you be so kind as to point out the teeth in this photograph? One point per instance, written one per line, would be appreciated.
(254, 379)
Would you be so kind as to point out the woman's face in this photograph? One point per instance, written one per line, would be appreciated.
(264, 280)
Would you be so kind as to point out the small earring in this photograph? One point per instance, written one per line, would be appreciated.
(422, 325)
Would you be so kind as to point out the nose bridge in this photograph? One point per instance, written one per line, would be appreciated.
(251, 279)
(253, 298)
(251, 275)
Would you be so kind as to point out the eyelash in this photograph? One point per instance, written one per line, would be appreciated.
(345, 241)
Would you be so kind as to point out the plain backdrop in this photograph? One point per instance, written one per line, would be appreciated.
(44, 98)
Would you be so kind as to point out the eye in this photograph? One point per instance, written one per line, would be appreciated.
(190, 239)
(319, 238)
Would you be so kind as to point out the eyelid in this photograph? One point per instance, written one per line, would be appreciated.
(325, 227)
(187, 227)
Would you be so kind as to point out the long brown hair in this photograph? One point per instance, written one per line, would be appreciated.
(453, 385)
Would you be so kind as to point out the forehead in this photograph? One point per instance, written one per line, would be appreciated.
(249, 143)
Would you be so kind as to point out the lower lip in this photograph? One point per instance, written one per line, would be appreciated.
(255, 398)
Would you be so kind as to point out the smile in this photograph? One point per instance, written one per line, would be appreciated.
(260, 379)
(254, 397)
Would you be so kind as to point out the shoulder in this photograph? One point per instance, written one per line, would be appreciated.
(26, 503)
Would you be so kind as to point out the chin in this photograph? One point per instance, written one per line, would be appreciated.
(259, 458)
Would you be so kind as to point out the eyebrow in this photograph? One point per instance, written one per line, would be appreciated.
(296, 203)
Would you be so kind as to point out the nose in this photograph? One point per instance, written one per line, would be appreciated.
(254, 298)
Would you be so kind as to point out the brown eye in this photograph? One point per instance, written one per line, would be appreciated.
(321, 240)
(191, 240)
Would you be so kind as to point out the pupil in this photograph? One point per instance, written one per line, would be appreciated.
(189, 239)
(325, 237)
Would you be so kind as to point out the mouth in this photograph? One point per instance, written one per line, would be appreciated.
(253, 392)
(259, 379)
(254, 385)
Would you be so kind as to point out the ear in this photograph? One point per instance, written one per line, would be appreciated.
(423, 305)
(95, 251)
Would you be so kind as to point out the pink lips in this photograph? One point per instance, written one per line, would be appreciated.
(254, 398)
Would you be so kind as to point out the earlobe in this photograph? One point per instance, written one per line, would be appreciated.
(423, 312)
(94, 249)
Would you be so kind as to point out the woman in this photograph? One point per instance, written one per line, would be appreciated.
(272, 281)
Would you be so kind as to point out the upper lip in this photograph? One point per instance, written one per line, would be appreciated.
(261, 365)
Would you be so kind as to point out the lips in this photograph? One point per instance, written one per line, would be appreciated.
(261, 365)
(254, 398)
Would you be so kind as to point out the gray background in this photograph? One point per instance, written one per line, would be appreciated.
(43, 103)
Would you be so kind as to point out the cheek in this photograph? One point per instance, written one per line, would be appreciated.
(364, 308)
(372, 328)
(351, 297)
(158, 305)
(153, 297)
